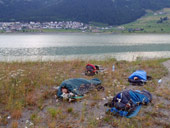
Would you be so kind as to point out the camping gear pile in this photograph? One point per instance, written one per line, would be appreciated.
(91, 70)
(126, 103)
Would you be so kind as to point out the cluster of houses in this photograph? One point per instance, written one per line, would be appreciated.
(19, 26)
(23, 27)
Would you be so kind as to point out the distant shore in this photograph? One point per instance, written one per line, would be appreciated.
(77, 32)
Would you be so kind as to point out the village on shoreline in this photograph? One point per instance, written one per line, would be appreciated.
(63, 26)
(9, 27)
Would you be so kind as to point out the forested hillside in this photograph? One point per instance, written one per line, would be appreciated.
(112, 12)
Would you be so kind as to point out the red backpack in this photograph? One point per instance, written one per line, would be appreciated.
(91, 69)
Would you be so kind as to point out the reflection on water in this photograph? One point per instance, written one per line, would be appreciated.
(129, 56)
(53, 51)
(91, 46)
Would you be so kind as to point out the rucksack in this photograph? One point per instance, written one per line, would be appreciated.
(127, 102)
(91, 69)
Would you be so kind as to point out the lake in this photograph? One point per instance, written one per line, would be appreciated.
(66, 46)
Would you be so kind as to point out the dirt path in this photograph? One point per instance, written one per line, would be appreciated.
(162, 100)
(166, 80)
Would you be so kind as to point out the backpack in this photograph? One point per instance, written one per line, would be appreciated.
(127, 102)
(91, 70)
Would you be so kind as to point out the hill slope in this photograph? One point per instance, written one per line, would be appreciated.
(151, 22)
(112, 12)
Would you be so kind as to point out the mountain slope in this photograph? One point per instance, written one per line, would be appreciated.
(113, 12)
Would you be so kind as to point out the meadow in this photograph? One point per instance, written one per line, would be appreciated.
(150, 22)
(28, 91)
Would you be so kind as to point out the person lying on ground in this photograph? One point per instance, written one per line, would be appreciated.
(76, 87)
(128, 102)
(139, 77)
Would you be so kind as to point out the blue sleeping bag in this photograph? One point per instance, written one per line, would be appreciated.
(140, 74)
(78, 86)
(128, 103)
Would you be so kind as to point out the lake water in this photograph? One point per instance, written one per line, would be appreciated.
(83, 46)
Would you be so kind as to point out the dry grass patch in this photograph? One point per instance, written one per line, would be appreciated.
(164, 92)
(16, 114)
(52, 124)
(29, 84)
(14, 124)
(162, 124)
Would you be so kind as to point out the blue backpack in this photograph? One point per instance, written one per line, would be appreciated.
(128, 103)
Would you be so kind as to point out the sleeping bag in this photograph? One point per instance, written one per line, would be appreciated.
(79, 86)
(128, 103)
(141, 76)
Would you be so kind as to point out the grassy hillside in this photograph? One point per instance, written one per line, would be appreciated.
(150, 22)
(27, 95)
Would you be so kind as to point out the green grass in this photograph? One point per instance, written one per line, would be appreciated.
(149, 22)
(54, 112)
(70, 110)
(1, 31)
(28, 85)
(46, 30)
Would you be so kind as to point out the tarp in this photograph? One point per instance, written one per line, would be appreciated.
(78, 86)
(133, 97)
(141, 74)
